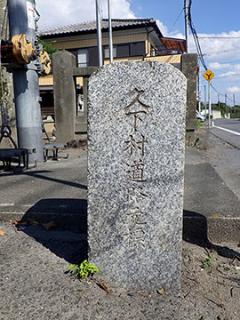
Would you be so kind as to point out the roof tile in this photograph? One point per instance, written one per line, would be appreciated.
(91, 26)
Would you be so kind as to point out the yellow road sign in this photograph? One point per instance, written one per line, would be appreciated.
(208, 75)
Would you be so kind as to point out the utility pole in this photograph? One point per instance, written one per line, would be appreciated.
(187, 24)
(199, 93)
(205, 99)
(209, 105)
(110, 32)
(22, 21)
(226, 100)
(234, 100)
(99, 34)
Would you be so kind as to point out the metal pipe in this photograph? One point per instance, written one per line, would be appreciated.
(99, 34)
(21, 14)
(110, 32)
(209, 104)
(205, 99)
(199, 93)
(186, 10)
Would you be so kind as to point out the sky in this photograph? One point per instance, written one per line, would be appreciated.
(216, 22)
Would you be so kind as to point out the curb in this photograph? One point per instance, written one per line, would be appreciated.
(217, 229)
(224, 140)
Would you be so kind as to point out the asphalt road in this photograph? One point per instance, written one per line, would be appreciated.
(54, 186)
(227, 130)
(230, 124)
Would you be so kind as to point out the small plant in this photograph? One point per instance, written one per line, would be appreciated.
(199, 123)
(83, 270)
(208, 262)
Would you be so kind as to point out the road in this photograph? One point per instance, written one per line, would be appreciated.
(53, 187)
(228, 130)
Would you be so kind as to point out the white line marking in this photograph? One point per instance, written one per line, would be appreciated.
(14, 204)
(230, 131)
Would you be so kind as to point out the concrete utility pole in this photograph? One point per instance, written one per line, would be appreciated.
(110, 32)
(99, 34)
(234, 100)
(205, 99)
(226, 99)
(209, 105)
(199, 94)
(22, 20)
(187, 24)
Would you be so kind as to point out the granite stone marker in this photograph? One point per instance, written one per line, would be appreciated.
(136, 169)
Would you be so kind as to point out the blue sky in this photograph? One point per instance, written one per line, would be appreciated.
(216, 21)
(213, 19)
(210, 16)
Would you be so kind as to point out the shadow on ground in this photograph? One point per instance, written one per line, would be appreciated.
(42, 175)
(195, 231)
(60, 225)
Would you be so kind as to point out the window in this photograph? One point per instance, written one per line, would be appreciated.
(93, 57)
(87, 57)
(137, 49)
(82, 57)
(106, 52)
(123, 50)
(126, 50)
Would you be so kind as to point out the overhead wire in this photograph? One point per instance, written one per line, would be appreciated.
(178, 17)
(219, 93)
(195, 37)
(198, 47)
(221, 38)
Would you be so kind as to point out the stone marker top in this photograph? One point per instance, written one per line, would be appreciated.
(136, 162)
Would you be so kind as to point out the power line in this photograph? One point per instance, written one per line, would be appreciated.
(229, 50)
(216, 37)
(198, 47)
(195, 36)
(178, 17)
(219, 93)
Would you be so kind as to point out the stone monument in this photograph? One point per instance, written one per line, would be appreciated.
(136, 170)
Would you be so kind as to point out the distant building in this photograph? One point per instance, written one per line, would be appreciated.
(133, 39)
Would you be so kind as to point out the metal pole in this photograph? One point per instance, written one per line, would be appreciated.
(234, 100)
(199, 94)
(110, 32)
(186, 10)
(209, 105)
(205, 99)
(99, 34)
(226, 98)
(22, 20)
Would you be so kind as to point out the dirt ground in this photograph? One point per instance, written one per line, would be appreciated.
(34, 283)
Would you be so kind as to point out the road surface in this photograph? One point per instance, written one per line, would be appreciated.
(228, 130)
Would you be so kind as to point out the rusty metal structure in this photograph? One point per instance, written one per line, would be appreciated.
(22, 55)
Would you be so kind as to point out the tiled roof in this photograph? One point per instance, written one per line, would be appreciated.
(174, 44)
(91, 26)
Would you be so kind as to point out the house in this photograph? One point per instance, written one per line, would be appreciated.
(133, 39)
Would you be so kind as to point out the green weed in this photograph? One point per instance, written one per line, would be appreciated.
(83, 270)
(208, 262)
